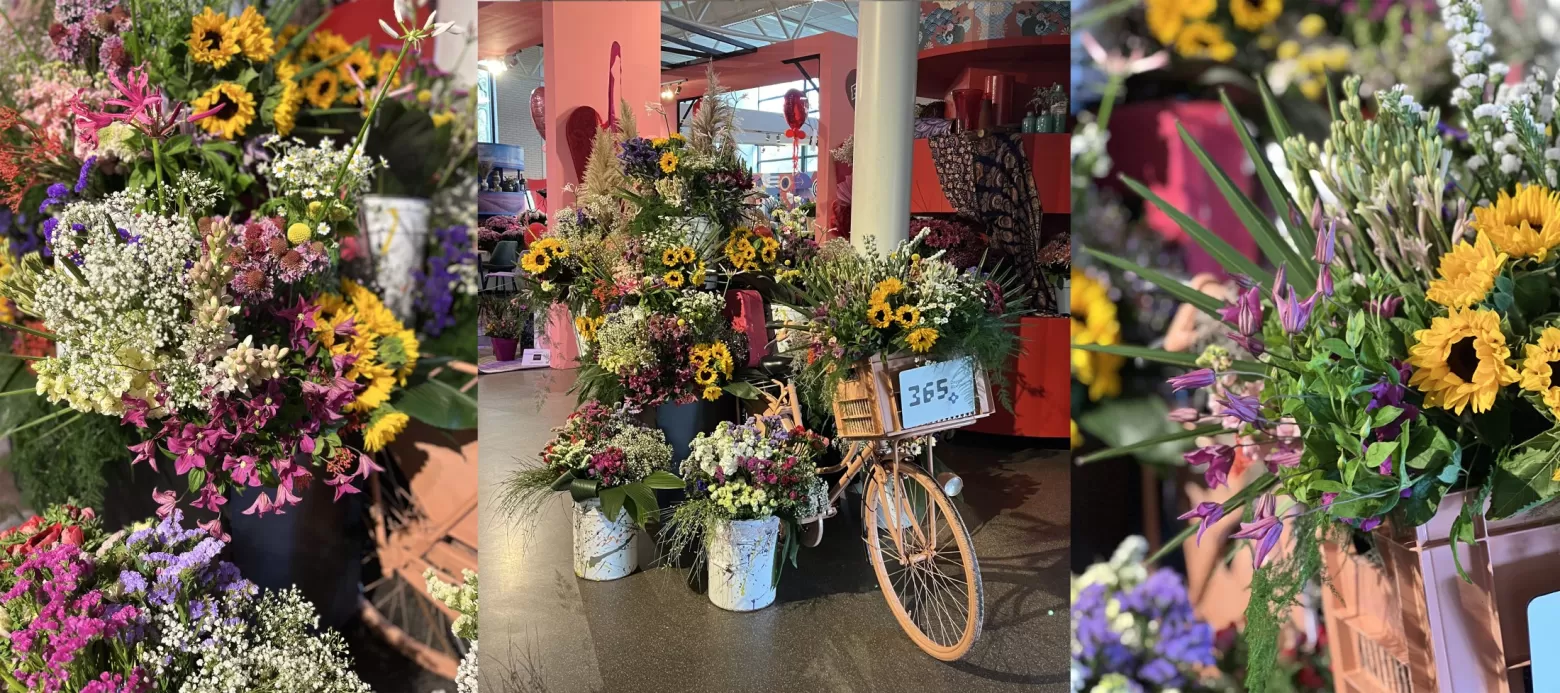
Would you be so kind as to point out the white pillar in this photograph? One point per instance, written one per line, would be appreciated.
(886, 37)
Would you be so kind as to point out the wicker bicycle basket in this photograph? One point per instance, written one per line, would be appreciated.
(867, 403)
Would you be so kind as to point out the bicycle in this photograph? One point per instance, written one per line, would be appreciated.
(916, 540)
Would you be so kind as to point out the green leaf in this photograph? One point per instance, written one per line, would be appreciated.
(582, 490)
(1526, 479)
(1383, 416)
(197, 479)
(643, 499)
(741, 390)
(1138, 427)
(662, 479)
(1276, 193)
(564, 481)
(1232, 260)
(1532, 293)
(439, 404)
(1174, 358)
(1379, 452)
(1277, 250)
(1356, 329)
(1208, 304)
(1337, 346)
(612, 501)
(175, 145)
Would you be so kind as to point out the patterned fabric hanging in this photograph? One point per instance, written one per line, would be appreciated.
(989, 179)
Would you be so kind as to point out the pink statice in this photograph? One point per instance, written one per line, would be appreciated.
(81, 26)
(70, 618)
(47, 93)
(263, 258)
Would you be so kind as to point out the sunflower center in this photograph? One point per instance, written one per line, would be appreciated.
(227, 108)
(1554, 373)
(1463, 359)
(212, 37)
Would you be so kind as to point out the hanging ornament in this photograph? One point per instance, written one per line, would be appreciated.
(795, 117)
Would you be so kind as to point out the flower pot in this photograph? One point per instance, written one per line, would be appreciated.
(603, 549)
(396, 231)
(1409, 617)
(504, 348)
(1046, 123)
(317, 546)
(742, 564)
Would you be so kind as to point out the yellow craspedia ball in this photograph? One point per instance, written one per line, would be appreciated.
(424, 96)
(314, 209)
(298, 233)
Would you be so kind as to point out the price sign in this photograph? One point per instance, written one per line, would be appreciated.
(937, 392)
(1544, 637)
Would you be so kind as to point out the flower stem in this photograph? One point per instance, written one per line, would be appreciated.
(357, 144)
(157, 163)
(1108, 99)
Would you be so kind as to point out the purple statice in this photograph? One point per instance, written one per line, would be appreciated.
(55, 194)
(1136, 630)
(640, 158)
(447, 271)
(86, 171)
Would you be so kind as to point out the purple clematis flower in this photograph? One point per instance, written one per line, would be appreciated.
(1293, 314)
(1385, 307)
(1252, 345)
(1264, 528)
(1326, 240)
(1246, 312)
(1219, 459)
(1206, 514)
(1195, 380)
(1246, 408)
(1324, 283)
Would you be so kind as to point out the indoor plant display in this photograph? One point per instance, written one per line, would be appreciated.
(151, 609)
(611, 465)
(1373, 389)
(503, 319)
(743, 482)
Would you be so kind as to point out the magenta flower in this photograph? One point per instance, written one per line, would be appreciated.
(1252, 345)
(1265, 529)
(1246, 408)
(342, 484)
(1246, 312)
(1326, 239)
(1195, 380)
(166, 502)
(1218, 458)
(1206, 514)
(262, 505)
(1384, 307)
(1324, 284)
(1293, 314)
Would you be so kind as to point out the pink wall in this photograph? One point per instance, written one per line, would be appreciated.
(578, 37)
(836, 117)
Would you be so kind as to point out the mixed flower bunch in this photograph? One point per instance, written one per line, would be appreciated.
(710, 181)
(860, 305)
(502, 316)
(1370, 386)
(1134, 630)
(678, 346)
(599, 452)
(506, 228)
(153, 608)
(463, 599)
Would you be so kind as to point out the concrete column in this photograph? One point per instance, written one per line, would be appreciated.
(887, 33)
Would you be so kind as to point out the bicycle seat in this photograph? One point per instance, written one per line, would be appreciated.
(776, 367)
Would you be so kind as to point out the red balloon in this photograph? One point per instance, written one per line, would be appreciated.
(539, 111)
(795, 113)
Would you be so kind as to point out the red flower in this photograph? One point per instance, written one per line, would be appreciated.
(74, 535)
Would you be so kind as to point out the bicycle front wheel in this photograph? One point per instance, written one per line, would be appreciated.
(924, 560)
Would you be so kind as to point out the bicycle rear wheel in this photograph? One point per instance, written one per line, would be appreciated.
(924, 560)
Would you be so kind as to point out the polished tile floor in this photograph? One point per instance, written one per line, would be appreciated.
(830, 630)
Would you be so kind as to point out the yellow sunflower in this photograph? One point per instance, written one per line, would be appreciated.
(1077, 437)
(1541, 368)
(322, 89)
(699, 357)
(668, 162)
(1255, 15)
(323, 45)
(887, 287)
(213, 39)
(670, 257)
(386, 67)
(770, 250)
(922, 339)
(659, 142)
(705, 376)
(360, 61)
(1523, 225)
(687, 254)
(535, 261)
(1198, 9)
(286, 114)
(880, 315)
(1204, 40)
(254, 37)
(1094, 322)
(696, 278)
(382, 428)
(588, 326)
(237, 110)
(712, 392)
(1461, 360)
(1165, 19)
(908, 316)
(674, 279)
(1467, 274)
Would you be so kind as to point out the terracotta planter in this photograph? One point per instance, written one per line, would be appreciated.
(504, 348)
(1409, 623)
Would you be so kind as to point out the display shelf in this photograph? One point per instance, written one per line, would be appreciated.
(938, 68)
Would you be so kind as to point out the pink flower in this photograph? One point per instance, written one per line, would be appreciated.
(166, 502)
(262, 505)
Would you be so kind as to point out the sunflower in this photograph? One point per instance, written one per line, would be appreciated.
(887, 287)
(236, 112)
(1523, 225)
(687, 254)
(696, 277)
(286, 114)
(712, 392)
(254, 37)
(213, 39)
(322, 89)
(1541, 368)
(1255, 15)
(360, 61)
(1198, 9)
(674, 279)
(699, 357)
(722, 357)
(921, 340)
(1204, 40)
(535, 261)
(705, 376)
(770, 250)
(880, 315)
(908, 316)
(382, 428)
(668, 162)
(1165, 19)
(323, 45)
(587, 327)
(1094, 322)
(1467, 274)
(670, 257)
(1460, 360)
(659, 142)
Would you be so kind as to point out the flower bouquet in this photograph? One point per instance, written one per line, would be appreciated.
(152, 609)
(463, 599)
(1134, 630)
(193, 291)
(743, 482)
(504, 322)
(1371, 387)
(611, 466)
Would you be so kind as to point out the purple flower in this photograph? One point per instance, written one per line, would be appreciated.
(1384, 307)
(1326, 238)
(1264, 528)
(1252, 345)
(55, 195)
(86, 170)
(1292, 313)
(1246, 408)
(436, 287)
(1198, 379)
(1246, 312)
(1219, 459)
(1206, 514)
(1324, 284)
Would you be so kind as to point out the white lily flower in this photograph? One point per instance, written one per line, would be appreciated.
(388, 30)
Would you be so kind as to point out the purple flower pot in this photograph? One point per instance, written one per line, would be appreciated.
(504, 349)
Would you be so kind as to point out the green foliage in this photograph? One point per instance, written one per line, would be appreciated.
(1138, 427)
(64, 460)
(1276, 588)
